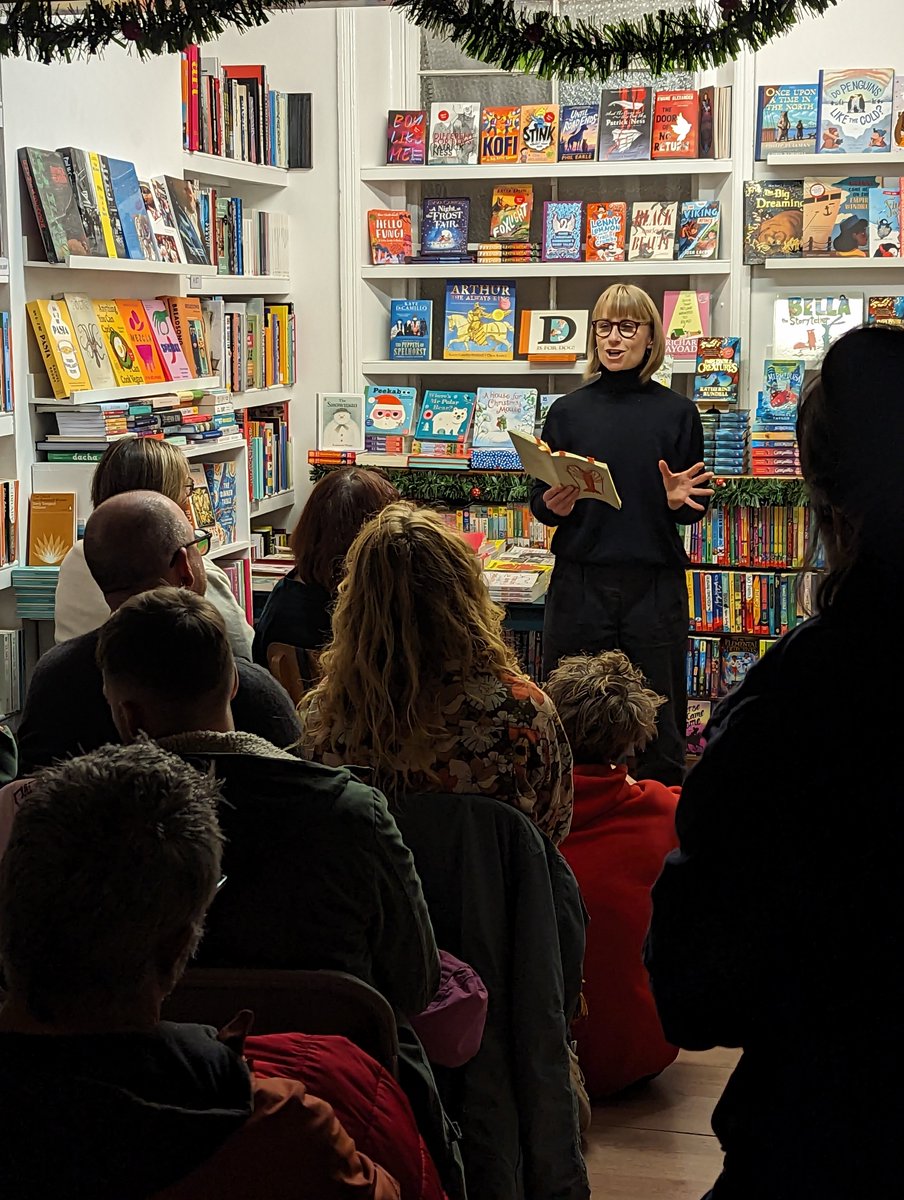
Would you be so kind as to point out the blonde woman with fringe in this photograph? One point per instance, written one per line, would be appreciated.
(619, 578)
(419, 686)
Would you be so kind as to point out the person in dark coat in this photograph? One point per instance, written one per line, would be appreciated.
(776, 923)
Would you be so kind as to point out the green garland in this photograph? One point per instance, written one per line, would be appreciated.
(515, 39)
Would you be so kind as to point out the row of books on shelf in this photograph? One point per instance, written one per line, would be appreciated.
(239, 240)
(9, 521)
(12, 671)
(6, 365)
(253, 343)
(35, 591)
(232, 111)
(266, 430)
(214, 500)
(775, 535)
(571, 231)
(846, 111)
(511, 523)
(716, 665)
(632, 123)
(733, 601)
(527, 646)
(238, 572)
(83, 432)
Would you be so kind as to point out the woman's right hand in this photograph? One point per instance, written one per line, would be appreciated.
(561, 500)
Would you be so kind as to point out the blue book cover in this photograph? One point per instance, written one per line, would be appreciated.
(547, 400)
(718, 363)
(136, 224)
(498, 412)
(389, 410)
(787, 117)
(444, 225)
(698, 229)
(579, 126)
(563, 239)
(445, 416)
(884, 222)
(409, 328)
(783, 379)
(479, 319)
(855, 111)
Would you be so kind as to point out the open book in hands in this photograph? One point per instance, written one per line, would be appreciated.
(558, 468)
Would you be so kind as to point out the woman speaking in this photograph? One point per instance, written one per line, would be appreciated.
(619, 577)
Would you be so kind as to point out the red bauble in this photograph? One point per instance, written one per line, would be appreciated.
(475, 493)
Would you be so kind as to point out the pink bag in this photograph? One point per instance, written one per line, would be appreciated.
(451, 1028)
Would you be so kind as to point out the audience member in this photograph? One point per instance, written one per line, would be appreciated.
(775, 922)
(103, 889)
(133, 542)
(138, 464)
(420, 687)
(620, 832)
(297, 611)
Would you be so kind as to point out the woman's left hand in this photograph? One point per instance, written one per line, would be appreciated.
(680, 488)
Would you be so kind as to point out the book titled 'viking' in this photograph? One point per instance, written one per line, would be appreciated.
(698, 229)
(626, 124)
(406, 137)
(390, 235)
(53, 200)
(479, 319)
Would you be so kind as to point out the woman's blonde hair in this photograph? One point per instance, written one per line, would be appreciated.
(624, 300)
(411, 609)
(140, 464)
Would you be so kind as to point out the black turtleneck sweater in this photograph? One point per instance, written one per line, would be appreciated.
(629, 425)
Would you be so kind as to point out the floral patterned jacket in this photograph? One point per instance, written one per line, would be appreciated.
(502, 737)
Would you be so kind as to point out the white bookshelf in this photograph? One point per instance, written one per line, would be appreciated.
(212, 284)
(217, 169)
(141, 391)
(548, 270)
(278, 502)
(7, 425)
(6, 578)
(255, 397)
(475, 368)
(838, 165)
(211, 447)
(561, 172)
(841, 266)
(230, 550)
(123, 266)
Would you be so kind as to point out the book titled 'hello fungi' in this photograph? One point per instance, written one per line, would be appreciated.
(558, 468)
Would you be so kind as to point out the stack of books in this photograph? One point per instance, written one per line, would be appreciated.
(725, 436)
(518, 575)
(35, 589)
(774, 448)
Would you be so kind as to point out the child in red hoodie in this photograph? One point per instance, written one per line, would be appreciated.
(621, 831)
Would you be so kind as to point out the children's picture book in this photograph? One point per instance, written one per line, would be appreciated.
(454, 129)
(479, 319)
(388, 411)
(885, 310)
(511, 212)
(390, 235)
(500, 134)
(222, 483)
(738, 656)
(340, 421)
(786, 119)
(685, 318)
(174, 361)
(138, 328)
(410, 322)
(607, 222)
(501, 411)
(163, 222)
(563, 234)
(626, 124)
(783, 381)
(184, 205)
(553, 332)
(558, 468)
(83, 321)
(718, 366)
(539, 133)
(123, 357)
(579, 126)
(53, 200)
(652, 234)
(406, 137)
(545, 403)
(855, 111)
(445, 416)
(805, 326)
(897, 113)
(444, 225)
(836, 217)
(698, 229)
(51, 527)
(884, 222)
(773, 219)
(59, 347)
(78, 168)
(133, 216)
(698, 714)
(676, 117)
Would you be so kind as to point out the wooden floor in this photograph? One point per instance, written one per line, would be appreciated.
(656, 1142)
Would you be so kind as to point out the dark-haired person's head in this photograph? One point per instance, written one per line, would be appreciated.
(335, 511)
(113, 860)
(139, 540)
(851, 432)
(167, 665)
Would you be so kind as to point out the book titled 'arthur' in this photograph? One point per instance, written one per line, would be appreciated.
(479, 319)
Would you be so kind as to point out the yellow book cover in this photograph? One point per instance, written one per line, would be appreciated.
(59, 347)
(123, 357)
(139, 330)
(51, 527)
(281, 312)
(104, 213)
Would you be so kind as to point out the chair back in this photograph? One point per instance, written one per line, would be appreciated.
(315, 1002)
(285, 665)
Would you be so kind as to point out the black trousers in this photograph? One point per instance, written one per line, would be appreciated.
(642, 611)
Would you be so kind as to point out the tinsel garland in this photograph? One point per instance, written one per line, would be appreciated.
(513, 38)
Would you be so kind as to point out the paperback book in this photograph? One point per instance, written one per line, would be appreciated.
(885, 223)
(626, 124)
(454, 130)
(123, 357)
(511, 212)
(479, 319)
(855, 111)
(78, 168)
(138, 328)
(137, 234)
(685, 318)
(563, 239)
(184, 208)
(545, 403)
(676, 117)
(174, 361)
(83, 321)
(500, 134)
(388, 411)
(163, 221)
(885, 310)
(578, 132)
(59, 347)
(783, 381)
(698, 229)
(836, 216)
(499, 412)
(409, 328)
(539, 133)
(340, 421)
(406, 137)
(444, 225)
(652, 230)
(606, 224)
(773, 219)
(805, 326)
(561, 469)
(445, 416)
(897, 129)
(390, 235)
(718, 366)
(53, 200)
(787, 117)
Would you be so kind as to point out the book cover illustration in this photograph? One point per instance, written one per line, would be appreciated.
(897, 113)
(123, 357)
(444, 225)
(389, 411)
(511, 212)
(409, 328)
(706, 116)
(139, 329)
(539, 133)
(884, 223)
(222, 483)
(500, 134)
(445, 416)
(133, 216)
(479, 319)
(626, 124)
(773, 219)
(498, 412)
(54, 203)
(174, 361)
(783, 381)
(563, 235)
(738, 656)
(676, 116)
(200, 501)
(163, 222)
(340, 421)
(390, 235)
(805, 326)
(190, 328)
(836, 216)
(718, 365)
(787, 118)
(652, 230)
(406, 137)
(885, 310)
(51, 527)
(454, 131)
(685, 318)
(553, 332)
(78, 168)
(560, 468)
(91, 343)
(545, 403)
(59, 347)
(698, 229)
(579, 126)
(855, 111)
(103, 183)
(606, 224)
(186, 218)
(698, 714)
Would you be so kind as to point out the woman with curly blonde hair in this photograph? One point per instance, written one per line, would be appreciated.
(420, 687)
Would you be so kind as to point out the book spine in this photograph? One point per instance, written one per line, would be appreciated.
(116, 223)
(50, 249)
(103, 211)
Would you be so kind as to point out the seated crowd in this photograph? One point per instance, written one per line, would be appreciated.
(413, 810)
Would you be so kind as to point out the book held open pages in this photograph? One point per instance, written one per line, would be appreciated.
(558, 468)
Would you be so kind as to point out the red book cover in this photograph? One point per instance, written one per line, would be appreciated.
(390, 235)
(676, 121)
(194, 97)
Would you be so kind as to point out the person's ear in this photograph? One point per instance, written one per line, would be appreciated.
(181, 572)
(127, 717)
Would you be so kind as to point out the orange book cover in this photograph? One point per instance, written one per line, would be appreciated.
(676, 121)
(51, 528)
(390, 235)
(187, 317)
(139, 330)
(500, 134)
(606, 224)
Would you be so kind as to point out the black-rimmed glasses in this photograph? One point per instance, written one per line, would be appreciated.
(201, 540)
(626, 328)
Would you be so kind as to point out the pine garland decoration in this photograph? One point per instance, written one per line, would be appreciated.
(507, 36)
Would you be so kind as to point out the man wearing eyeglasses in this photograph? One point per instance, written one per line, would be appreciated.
(133, 542)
